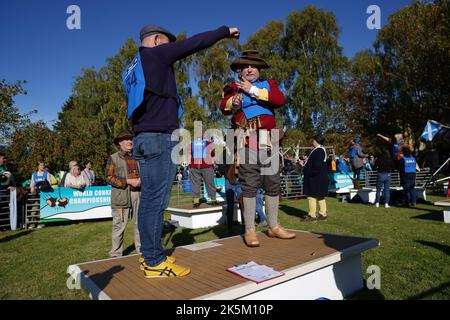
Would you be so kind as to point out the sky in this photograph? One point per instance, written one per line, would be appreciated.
(37, 46)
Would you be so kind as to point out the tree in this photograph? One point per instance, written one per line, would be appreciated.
(95, 113)
(32, 143)
(10, 117)
(212, 71)
(413, 49)
(362, 97)
(317, 67)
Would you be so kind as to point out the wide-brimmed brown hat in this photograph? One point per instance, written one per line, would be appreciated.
(249, 57)
(123, 135)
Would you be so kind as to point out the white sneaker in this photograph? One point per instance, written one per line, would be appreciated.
(386, 205)
(377, 205)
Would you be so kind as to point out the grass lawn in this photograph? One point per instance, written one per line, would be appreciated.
(414, 255)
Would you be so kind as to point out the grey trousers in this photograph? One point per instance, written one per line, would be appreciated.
(196, 176)
(119, 224)
(253, 175)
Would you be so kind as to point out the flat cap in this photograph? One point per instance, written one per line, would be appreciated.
(154, 29)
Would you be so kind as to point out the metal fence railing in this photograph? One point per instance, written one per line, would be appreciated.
(370, 179)
(32, 209)
(5, 213)
(291, 186)
(4, 209)
(181, 193)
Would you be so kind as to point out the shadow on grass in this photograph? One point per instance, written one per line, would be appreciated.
(292, 211)
(432, 215)
(445, 249)
(15, 236)
(426, 294)
(366, 294)
(72, 222)
(129, 250)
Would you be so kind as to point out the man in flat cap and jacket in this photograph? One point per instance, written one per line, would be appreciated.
(252, 102)
(122, 174)
(154, 110)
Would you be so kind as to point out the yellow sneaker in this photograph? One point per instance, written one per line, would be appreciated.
(170, 259)
(165, 269)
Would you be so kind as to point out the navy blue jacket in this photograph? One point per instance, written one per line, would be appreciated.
(157, 113)
(315, 175)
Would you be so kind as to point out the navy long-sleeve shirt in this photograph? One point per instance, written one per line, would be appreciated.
(157, 113)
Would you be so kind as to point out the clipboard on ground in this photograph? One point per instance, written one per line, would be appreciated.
(255, 272)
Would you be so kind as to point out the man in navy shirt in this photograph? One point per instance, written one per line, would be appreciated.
(153, 123)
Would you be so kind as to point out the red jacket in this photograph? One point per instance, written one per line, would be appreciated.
(275, 99)
(195, 163)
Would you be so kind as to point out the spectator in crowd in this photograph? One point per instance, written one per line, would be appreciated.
(357, 161)
(384, 165)
(342, 165)
(74, 179)
(40, 179)
(233, 193)
(315, 181)
(408, 177)
(397, 143)
(367, 165)
(7, 181)
(202, 168)
(331, 164)
(122, 174)
(64, 174)
(53, 180)
(332, 169)
(88, 173)
(298, 166)
(372, 161)
(179, 176)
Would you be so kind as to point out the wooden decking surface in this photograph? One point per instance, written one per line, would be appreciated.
(121, 278)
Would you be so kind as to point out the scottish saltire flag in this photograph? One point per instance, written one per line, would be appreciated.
(431, 129)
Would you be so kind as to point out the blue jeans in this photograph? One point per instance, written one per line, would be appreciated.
(232, 192)
(261, 217)
(153, 151)
(383, 180)
(409, 183)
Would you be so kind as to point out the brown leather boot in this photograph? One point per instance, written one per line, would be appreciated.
(279, 232)
(250, 238)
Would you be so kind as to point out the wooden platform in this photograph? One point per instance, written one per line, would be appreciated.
(307, 254)
(203, 217)
(446, 209)
(368, 195)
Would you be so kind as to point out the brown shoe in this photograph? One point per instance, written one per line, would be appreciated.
(250, 238)
(281, 233)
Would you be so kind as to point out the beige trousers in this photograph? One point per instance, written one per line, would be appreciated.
(312, 203)
(119, 224)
